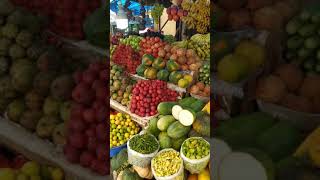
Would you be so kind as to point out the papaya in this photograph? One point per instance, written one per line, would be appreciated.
(159, 63)
(175, 76)
(163, 75)
(150, 73)
(172, 65)
(140, 70)
(177, 130)
(147, 59)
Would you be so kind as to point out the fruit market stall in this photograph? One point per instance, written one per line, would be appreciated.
(160, 92)
(266, 103)
(53, 106)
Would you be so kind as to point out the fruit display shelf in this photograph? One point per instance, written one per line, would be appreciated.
(142, 121)
(22, 141)
(82, 45)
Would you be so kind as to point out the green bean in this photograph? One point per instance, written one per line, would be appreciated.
(144, 144)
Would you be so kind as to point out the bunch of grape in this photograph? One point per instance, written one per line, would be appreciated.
(156, 12)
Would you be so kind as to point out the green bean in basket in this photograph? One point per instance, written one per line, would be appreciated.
(166, 163)
(195, 148)
(144, 144)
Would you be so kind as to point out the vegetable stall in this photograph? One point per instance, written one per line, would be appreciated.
(266, 90)
(160, 92)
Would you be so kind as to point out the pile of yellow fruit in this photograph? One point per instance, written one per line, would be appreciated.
(122, 128)
(32, 171)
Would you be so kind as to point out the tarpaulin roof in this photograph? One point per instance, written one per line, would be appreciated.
(134, 6)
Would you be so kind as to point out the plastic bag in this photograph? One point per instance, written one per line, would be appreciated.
(177, 176)
(195, 166)
(138, 159)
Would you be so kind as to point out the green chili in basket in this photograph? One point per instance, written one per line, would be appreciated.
(144, 144)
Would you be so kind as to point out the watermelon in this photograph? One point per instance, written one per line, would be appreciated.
(177, 130)
(172, 66)
(165, 108)
(175, 76)
(164, 140)
(163, 75)
(164, 122)
(176, 143)
(197, 105)
(147, 59)
(159, 63)
(187, 117)
(140, 70)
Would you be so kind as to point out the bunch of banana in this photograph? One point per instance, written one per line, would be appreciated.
(198, 17)
(201, 38)
(202, 49)
(156, 12)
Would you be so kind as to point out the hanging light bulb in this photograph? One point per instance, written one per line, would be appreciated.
(121, 20)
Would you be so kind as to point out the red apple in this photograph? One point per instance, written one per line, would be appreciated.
(101, 152)
(89, 115)
(102, 168)
(83, 94)
(77, 140)
(91, 132)
(89, 76)
(76, 124)
(72, 154)
(104, 75)
(170, 17)
(86, 158)
(101, 132)
(174, 10)
(94, 165)
(101, 114)
(98, 104)
(76, 110)
(77, 76)
(92, 144)
(168, 11)
(180, 12)
(101, 93)
(98, 84)
(176, 18)
(96, 66)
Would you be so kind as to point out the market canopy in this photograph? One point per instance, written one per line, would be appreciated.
(134, 6)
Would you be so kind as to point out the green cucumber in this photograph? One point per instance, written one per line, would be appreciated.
(305, 16)
(304, 53)
(307, 30)
(295, 42)
(312, 42)
(293, 26)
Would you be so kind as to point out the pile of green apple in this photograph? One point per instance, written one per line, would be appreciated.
(133, 41)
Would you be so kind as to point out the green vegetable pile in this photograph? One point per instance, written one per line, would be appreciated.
(303, 43)
(195, 148)
(144, 144)
(166, 163)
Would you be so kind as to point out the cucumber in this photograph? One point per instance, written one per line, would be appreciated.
(305, 16)
(187, 117)
(315, 18)
(295, 42)
(304, 53)
(176, 109)
(164, 108)
(307, 30)
(293, 26)
(308, 65)
(318, 55)
(164, 122)
(312, 42)
(317, 68)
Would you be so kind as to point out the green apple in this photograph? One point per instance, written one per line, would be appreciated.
(46, 126)
(65, 111)
(7, 174)
(31, 168)
(59, 134)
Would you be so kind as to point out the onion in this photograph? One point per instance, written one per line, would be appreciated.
(181, 60)
(161, 53)
(190, 53)
(174, 50)
(173, 57)
(167, 48)
(194, 89)
(181, 52)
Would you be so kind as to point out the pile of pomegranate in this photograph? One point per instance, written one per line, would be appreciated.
(125, 56)
(87, 134)
(146, 95)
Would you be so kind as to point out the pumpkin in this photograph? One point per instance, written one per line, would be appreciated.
(145, 173)
(202, 124)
